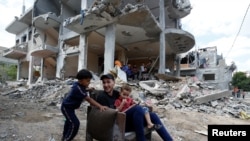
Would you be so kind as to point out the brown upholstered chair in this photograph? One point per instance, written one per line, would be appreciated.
(109, 126)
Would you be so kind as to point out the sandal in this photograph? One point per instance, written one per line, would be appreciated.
(155, 127)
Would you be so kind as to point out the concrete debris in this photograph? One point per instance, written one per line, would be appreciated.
(153, 86)
(109, 6)
(9, 92)
(214, 96)
(51, 138)
(182, 95)
(204, 132)
(121, 76)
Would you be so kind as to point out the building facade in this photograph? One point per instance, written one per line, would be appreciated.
(209, 67)
(59, 37)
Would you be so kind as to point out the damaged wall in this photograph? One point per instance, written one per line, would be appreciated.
(23, 36)
(66, 13)
(71, 66)
(24, 69)
(92, 61)
(170, 62)
(45, 6)
(49, 69)
(219, 77)
(208, 67)
(213, 69)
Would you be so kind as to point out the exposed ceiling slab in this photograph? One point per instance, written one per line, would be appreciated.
(179, 40)
(137, 30)
(141, 17)
(44, 51)
(26, 17)
(89, 22)
(47, 21)
(20, 24)
(127, 34)
(16, 27)
(15, 54)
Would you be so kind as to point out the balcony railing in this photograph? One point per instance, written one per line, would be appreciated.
(20, 47)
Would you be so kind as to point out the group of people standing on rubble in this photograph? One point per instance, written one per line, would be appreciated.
(133, 72)
(238, 92)
(135, 116)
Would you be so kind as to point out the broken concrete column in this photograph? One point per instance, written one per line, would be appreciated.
(109, 48)
(177, 61)
(83, 48)
(42, 69)
(84, 4)
(19, 65)
(211, 97)
(30, 70)
(60, 60)
(162, 59)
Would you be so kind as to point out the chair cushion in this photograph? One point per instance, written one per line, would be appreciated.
(100, 124)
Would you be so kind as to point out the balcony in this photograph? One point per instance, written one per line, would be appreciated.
(20, 24)
(89, 22)
(44, 51)
(180, 41)
(17, 52)
(46, 21)
(71, 50)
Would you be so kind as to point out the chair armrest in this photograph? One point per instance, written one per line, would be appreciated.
(107, 125)
(119, 127)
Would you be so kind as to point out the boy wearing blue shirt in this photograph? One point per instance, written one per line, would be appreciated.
(78, 93)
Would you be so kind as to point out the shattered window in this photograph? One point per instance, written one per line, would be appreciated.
(24, 38)
(29, 36)
(209, 76)
(17, 42)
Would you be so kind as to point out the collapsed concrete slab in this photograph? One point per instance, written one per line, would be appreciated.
(211, 97)
(166, 77)
(153, 86)
(8, 92)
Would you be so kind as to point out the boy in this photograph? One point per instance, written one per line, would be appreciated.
(124, 102)
(78, 93)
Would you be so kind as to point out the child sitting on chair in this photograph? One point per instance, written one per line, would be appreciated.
(125, 102)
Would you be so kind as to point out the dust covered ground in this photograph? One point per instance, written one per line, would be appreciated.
(25, 118)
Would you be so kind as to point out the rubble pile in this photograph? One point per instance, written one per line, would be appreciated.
(50, 92)
(189, 94)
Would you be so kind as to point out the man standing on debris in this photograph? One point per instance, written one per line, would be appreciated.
(135, 120)
(78, 93)
(243, 94)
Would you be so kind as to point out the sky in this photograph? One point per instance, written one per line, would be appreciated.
(9, 9)
(217, 23)
(211, 22)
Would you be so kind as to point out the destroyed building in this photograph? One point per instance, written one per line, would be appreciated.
(6, 60)
(56, 38)
(208, 67)
(4, 64)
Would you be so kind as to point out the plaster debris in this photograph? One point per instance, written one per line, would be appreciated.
(182, 95)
